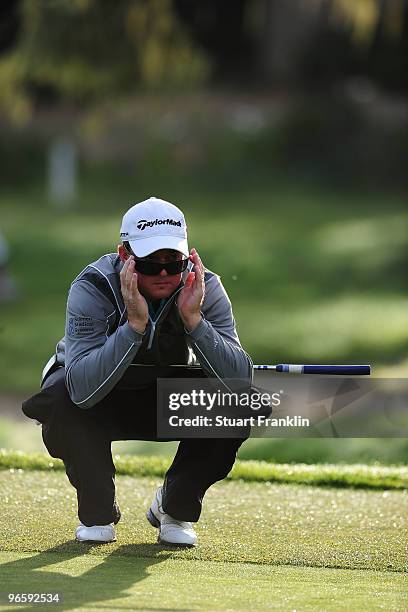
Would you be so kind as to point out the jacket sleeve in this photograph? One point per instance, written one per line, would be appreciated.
(215, 340)
(94, 360)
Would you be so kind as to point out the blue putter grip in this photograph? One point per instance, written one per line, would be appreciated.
(342, 370)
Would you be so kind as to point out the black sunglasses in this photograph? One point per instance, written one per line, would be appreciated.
(152, 268)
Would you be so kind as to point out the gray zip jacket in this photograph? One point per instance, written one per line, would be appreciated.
(99, 345)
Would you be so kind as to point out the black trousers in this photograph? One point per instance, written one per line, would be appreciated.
(82, 439)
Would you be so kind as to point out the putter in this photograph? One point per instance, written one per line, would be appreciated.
(340, 370)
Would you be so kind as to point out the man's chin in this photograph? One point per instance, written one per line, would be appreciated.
(158, 292)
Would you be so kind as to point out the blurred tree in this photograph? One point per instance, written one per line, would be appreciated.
(364, 17)
(83, 50)
(224, 31)
(303, 42)
(286, 29)
(298, 42)
(9, 23)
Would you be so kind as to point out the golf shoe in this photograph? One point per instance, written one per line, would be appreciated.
(96, 533)
(171, 531)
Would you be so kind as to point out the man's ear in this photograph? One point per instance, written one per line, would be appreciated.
(122, 252)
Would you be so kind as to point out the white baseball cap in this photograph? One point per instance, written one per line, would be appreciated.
(152, 225)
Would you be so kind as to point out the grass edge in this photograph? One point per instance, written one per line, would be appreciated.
(375, 477)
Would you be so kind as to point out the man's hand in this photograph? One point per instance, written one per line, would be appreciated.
(192, 295)
(136, 305)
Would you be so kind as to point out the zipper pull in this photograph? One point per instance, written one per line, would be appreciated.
(158, 315)
(152, 330)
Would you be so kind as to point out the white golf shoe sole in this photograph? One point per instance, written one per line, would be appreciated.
(102, 534)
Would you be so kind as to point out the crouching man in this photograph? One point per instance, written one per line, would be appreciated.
(154, 304)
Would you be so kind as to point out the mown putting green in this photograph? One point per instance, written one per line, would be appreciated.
(114, 582)
(260, 545)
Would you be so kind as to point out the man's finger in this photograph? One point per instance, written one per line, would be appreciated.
(133, 285)
(123, 277)
(197, 261)
(125, 265)
(125, 268)
(190, 280)
(198, 278)
(199, 269)
(129, 270)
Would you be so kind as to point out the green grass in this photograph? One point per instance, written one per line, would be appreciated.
(26, 436)
(357, 476)
(325, 450)
(314, 274)
(261, 545)
(115, 582)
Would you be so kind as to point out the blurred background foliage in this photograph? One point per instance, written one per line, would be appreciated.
(280, 128)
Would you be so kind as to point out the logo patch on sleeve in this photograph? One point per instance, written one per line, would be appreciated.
(80, 326)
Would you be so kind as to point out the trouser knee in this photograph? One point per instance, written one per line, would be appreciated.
(59, 429)
(65, 427)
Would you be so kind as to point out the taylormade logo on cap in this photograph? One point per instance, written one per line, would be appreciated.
(154, 224)
(143, 223)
